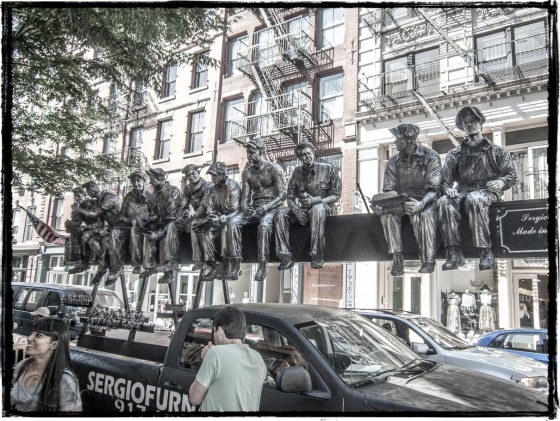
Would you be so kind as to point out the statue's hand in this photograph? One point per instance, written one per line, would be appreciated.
(261, 210)
(413, 206)
(377, 210)
(451, 192)
(495, 186)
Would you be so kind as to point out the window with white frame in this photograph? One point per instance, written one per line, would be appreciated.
(29, 231)
(233, 115)
(331, 100)
(15, 220)
(169, 80)
(332, 26)
(57, 278)
(58, 207)
(260, 122)
(109, 144)
(419, 70)
(140, 94)
(200, 73)
(56, 262)
(512, 47)
(296, 93)
(114, 93)
(267, 48)
(135, 144)
(196, 127)
(529, 152)
(164, 140)
(234, 174)
(236, 47)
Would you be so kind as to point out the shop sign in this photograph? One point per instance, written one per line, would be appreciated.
(523, 230)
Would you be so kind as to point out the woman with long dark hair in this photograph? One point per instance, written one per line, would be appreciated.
(45, 381)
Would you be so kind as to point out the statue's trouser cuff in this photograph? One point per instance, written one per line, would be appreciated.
(424, 225)
(476, 205)
(136, 246)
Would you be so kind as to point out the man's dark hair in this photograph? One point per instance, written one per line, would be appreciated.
(232, 321)
(301, 146)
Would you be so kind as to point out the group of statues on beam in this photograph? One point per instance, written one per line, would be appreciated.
(213, 212)
(473, 176)
(415, 184)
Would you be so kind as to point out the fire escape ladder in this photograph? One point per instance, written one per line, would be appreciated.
(439, 28)
(435, 116)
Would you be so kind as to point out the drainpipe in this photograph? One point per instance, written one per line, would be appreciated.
(219, 120)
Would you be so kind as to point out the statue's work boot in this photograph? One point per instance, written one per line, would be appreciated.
(286, 262)
(137, 269)
(427, 267)
(112, 277)
(454, 258)
(166, 278)
(398, 265)
(233, 269)
(317, 263)
(262, 272)
(486, 259)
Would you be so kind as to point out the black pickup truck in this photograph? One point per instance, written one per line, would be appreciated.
(319, 360)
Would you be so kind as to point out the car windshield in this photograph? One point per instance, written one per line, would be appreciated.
(440, 333)
(108, 299)
(356, 348)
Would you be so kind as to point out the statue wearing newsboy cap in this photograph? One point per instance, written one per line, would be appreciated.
(414, 175)
(193, 193)
(220, 204)
(481, 171)
(263, 190)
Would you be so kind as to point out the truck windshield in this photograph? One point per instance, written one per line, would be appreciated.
(356, 348)
(440, 333)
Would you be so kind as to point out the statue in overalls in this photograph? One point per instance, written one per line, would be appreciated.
(193, 193)
(481, 171)
(415, 171)
(263, 190)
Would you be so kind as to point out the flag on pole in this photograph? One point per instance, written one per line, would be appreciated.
(45, 232)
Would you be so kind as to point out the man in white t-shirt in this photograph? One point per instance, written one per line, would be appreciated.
(231, 376)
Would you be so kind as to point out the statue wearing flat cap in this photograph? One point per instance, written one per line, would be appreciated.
(474, 175)
(134, 217)
(193, 193)
(413, 174)
(162, 231)
(220, 204)
(263, 190)
(313, 192)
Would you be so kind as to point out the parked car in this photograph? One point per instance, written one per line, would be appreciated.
(29, 296)
(433, 341)
(531, 343)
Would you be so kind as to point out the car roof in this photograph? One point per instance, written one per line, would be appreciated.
(62, 287)
(518, 330)
(387, 312)
(292, 313)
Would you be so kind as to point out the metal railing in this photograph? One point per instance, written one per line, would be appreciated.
(292, 111)
(507, 61)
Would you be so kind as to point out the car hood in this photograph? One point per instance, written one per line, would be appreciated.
(503, 364)
(453, 389)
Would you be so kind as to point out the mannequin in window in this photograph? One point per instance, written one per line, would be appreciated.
(453, 313)
(468, 303)
(486, 320)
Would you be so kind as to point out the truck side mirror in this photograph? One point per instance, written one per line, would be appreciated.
(421, 348)
(294, 379)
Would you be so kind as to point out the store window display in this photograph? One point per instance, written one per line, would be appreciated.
(487, 319)
(453, 313)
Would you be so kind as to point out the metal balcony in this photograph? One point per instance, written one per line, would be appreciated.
(284, 49)
(517, 60)
(133, 107)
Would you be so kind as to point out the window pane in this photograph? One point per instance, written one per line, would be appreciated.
(530, 43)
(237, 47)
(492, 51)
(540, 172)
(195, 141)
(331, 85)
(397, 76)
(332, 21)
(427, 69)
(233, 114)
(330, 91)
(520, 190)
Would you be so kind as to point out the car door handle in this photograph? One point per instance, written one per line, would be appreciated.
(172, 386)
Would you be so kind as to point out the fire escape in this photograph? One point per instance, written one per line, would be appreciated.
(282, 117)
(455, 72)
